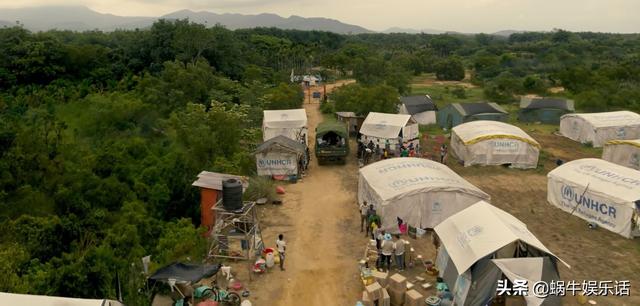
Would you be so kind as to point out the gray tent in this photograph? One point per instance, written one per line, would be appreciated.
(279, 156)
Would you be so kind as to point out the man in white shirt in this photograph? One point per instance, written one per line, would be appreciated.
(363, 216)
(281, 245)
(387, 251)
(399, 252)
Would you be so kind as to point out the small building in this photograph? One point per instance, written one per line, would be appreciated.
(421, 108)
(458, 113)
(623, 152)
(482, 245)
(598, 128)
(290, 123)
(210, 184)
(545, 110)
(353, 121)
(494, 143)
(394, 128)
(280, 157)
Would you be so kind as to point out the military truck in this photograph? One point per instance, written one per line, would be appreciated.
(332, 142)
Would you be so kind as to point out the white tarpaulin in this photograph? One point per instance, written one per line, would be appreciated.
(598, 128)
(43, 300)
(480, 230)
(486, 142)
(380, 127)
(623, 152)
(421, 192)
(291, 123)
(599, 191)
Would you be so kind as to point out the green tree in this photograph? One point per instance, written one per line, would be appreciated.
(450, 69)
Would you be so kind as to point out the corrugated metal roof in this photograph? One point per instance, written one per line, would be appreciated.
(537, 103)
(213, 180)
(418, 104)
(479, 108)
(348, 115)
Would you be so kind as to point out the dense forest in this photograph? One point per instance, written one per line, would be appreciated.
(102, 134)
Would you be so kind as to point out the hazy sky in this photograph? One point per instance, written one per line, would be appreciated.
(454, 15)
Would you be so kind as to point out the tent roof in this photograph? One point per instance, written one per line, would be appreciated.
(44, 300)
(608, 119)
(399, 177)
(284, 142)
(479, 230)
(635, 142)
(418, 104)
(213, 180)
(468, 109)
(605, 178)
(348, 115)
(285, 118)
(537, 103)
(532, 269)
(384, 125)
(182, 272)
(331, 125)
(476, 131)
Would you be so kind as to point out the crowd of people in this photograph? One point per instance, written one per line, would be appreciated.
(372, 152)
(388, 248)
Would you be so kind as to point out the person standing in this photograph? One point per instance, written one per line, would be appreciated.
(370, 216)
(387, 251)
(443, 152)
(399, 252)
(364, 208)
(281, 245)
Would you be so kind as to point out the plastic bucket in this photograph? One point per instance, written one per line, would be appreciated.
(270, 260)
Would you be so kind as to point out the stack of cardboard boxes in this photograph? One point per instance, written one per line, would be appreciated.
(375, 293)
(397, 288)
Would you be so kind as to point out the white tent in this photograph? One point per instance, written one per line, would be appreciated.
(291, 123)
(598, 128)
(599, 191)
(472, 238)
(421, 192)
(381, 126)
(279, 156)
(43, 300)
(494, 143)
(623, 152)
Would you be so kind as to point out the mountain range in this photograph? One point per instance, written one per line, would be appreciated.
(80, 18)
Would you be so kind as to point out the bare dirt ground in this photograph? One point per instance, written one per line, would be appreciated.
(430, 79)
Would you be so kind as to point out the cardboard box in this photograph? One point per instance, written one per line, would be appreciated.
(413, 298)
(366, 301)
(386, 299)
(396, 296)
(374, 291)
(381, 277)
(398, 282)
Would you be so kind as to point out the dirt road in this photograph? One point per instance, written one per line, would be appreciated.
(318, 219)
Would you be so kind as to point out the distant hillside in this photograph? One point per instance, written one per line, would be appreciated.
(239, 21)
(413, 31)
(79, 18)
(506, 33)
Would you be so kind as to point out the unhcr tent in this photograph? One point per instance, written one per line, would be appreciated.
(598, 128)
(623, 152)
(421, 192)
(479, 234)
(494, 143)
(380, 127)
(279, 156)
(43, 300)
(421, 108)
(459, 113)
(291, 123)
(598, 191)
(546, 110)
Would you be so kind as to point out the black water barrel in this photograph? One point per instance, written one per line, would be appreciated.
(232, 194)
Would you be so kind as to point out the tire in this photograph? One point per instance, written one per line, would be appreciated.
(233, 299)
